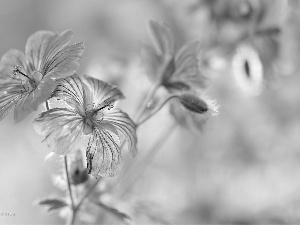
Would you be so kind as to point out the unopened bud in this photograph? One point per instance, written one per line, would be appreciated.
(193, 103)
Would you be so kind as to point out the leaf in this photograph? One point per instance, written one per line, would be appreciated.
(193, 103)
(120, 215)
(52, 203)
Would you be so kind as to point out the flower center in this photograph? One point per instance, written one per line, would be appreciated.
(88, 122)
(32, 82)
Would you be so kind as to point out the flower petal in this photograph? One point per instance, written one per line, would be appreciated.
(36, 46)
(103, 155)
(187, 69)
(152, 62)
(162, 38)
(8, 101)
(71, 91)
(8, 62)
(62, 129)
(123, 124)
(99, 94)
(33, 99)
(65, 62)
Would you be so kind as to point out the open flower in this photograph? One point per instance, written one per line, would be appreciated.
(175, 70)
(90, 112)
(27, 80)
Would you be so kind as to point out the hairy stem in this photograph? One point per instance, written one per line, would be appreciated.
(145, 103)
(157, 109)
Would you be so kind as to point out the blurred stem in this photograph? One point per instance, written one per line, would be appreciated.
(89, 191)
(68, 182)
(157, 109)
(145, 103)
(137, 170)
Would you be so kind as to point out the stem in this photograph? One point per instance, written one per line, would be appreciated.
(157, 109)
(146, 102)
(138, 169)
(68, 182)
(87, 193)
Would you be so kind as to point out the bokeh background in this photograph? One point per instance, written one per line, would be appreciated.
(244, 168)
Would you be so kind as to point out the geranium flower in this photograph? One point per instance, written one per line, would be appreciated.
(27, 80)
(180, 73)
(90, 112)
(175, 70)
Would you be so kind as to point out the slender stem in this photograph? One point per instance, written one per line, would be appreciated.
(157, 109)
(137, 171)
(87, 193)
(145, 103)
(68, 182)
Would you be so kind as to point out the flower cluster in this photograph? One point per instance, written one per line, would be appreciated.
(27, 80)
(47, 70)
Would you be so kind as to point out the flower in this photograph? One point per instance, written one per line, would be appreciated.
(247, 69)
(27, 80)
(175, 70)
(91, 113)
(180, 73)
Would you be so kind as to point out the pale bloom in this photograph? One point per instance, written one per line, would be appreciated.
(90, 112)
(27, 80)
(175, 70)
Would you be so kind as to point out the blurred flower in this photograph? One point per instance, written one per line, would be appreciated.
(174, 70)
(27, 80)
(179, 72)
(248, 69)
(90, 112)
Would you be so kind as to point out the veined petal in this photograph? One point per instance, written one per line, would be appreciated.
(32, 100)
(8, 101)
(71, 91)
(22, 110)
(187, 68)
(65, 62)
(162, 38)
(103, 154)
(36, 46)
(123, 124)
(99, 94)
(8, 62)
(62, 129)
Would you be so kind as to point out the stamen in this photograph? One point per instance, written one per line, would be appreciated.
(17, 70)
(107, 104)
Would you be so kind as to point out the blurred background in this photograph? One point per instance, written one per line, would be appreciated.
(242, 169)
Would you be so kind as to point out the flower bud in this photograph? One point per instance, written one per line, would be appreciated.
(193, 103)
